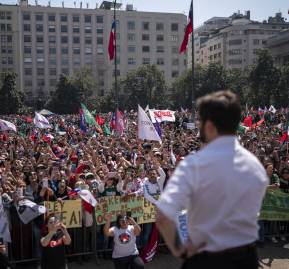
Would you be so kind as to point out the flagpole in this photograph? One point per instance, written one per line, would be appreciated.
(115, 57)
(193, 65)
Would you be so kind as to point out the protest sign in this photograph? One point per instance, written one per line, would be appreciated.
(70, 212)
(149, 212)
(162, 115)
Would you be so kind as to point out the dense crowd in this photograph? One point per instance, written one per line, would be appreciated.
(48, 165)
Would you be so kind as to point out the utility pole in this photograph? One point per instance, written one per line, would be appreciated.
(193, 64)
(115, 57)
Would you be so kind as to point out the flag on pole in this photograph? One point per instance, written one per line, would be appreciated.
(27, 210)
(100, 121)
(272, 109)
(146, 129)
(112, 121)
(41, 122)
(111, 42)
(188, 31)
(83, 126)
(248, 121)
(88, 117)
(7, 126)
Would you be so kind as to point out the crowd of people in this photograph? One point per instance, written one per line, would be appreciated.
(49, 164)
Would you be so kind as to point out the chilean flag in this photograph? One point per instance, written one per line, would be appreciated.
(189, 30)
(111, 43)
(149, 251)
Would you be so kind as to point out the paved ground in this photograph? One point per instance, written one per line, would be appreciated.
(271, 256)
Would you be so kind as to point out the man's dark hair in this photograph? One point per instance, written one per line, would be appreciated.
(223, 109)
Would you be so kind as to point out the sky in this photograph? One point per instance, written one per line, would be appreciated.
(203, 9)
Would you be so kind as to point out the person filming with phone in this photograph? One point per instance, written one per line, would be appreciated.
(125, 253)
(53, 244)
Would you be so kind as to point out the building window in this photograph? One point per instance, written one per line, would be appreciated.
(9, 38)
(87, 18)
(26, 17)
(63, 18)
(40, 82)
(87, 29)
(88, 51)
(39, 28)
(28, 71)
(65, 71)
(131, 37)
(52, 71)
(145, 26)
(9, 28)
(75, 18)
(40, 71)
(39, 17)
(27, 60)
(146, 61)
(51, 17)
(145, 48)
(27, 50)
(63, 29)
(219, 45)
(3, 27)
(175, 74)
(264, 42)
(52, 39)
(99, 31)
(99, 51)
(64, 61)
(51, 28)
(145, 37)
(76, 40)
(174, 38)
(28, 83)
(256, 41)
(174, 27)
(75, 29)
(64, 39)
(175, 62)
(27, 38)
(131, 48)
(52, 61)
(117, 73)
(235, 52)
(175, 50)
(40, 60)
(160, 49)
(88, 40)
(39, 50)
(76, 61)
(160, 37)
(235, 61)
(235, 42)
(39, 39)
(99, 19)
(131, 25)
(99, 40)
(26, 27)
(76, 51)
(52, 50)
(8, 15)
(131, 61)
(52, 82)
(64, 50)
(9, 50)
(159, 26)
(160, 61)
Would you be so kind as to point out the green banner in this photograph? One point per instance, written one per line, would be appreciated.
(275, 206)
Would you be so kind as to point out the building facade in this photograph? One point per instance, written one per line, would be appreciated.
(40, 43)
(235, 44)
(279, 47)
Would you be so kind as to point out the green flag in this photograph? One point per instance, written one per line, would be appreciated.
(106, 130)
(90, 120)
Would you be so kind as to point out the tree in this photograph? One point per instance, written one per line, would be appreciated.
(144, 86)
(66, 98)
(264, 81)
(281, 97)
(10, 97)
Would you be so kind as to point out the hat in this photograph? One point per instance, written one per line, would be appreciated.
(157, 153)
(87, 175)
(155, 149)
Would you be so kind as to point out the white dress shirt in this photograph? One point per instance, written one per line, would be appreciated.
(222, 187)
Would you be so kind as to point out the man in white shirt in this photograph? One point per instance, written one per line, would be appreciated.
(222, 187)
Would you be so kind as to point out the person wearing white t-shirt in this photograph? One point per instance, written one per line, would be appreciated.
(221, 187)
(125, 253)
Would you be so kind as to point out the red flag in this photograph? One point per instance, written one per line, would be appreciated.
(111, 43)
(150, 249)
(189, 30)
(284, 138)
(119, 122)
(99, 120)
(259, 123)
(248, 121)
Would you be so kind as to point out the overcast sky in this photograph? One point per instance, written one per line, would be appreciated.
(204, 9)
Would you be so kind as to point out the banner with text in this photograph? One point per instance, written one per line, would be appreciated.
(275, 206)
(69, 210)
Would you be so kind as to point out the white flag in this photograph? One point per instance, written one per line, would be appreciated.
(4, 225)
(7, 126)
(146, 129)
(162, 115)
(87, 197)
(27, 210)
(41, 122)
(272, 109)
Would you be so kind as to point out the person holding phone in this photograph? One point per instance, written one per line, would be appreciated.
(53, 244)
(125, 253)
